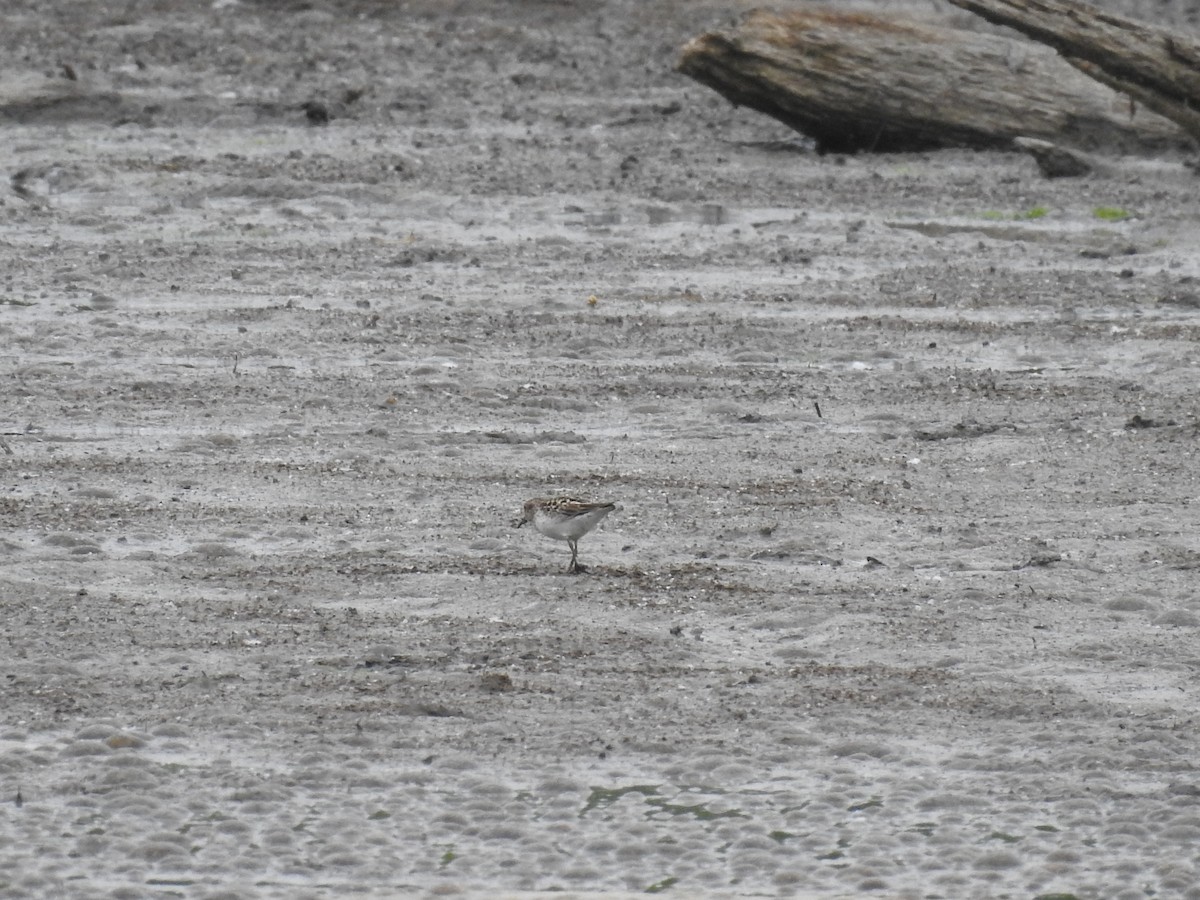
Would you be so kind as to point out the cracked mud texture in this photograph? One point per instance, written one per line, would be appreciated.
(901, 596)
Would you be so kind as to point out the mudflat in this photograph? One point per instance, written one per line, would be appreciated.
(301, 302)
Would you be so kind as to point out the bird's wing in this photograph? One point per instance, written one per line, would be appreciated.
(572, 507)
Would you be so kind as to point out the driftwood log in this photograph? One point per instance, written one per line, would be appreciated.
(856, 82)
(1159, 68)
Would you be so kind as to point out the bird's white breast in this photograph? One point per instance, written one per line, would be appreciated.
(568, 528)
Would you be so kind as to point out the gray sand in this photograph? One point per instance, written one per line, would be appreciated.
(274, 394)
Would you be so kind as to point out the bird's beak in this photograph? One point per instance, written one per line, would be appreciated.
(519, 523)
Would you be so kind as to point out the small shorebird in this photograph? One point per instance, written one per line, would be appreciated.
(565, 519)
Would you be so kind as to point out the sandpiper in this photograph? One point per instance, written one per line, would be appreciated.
(565, 519)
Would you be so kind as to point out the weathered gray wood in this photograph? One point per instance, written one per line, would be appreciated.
(857, 82)
(1159, 68)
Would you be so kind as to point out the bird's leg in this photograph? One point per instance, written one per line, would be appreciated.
(575, 566)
